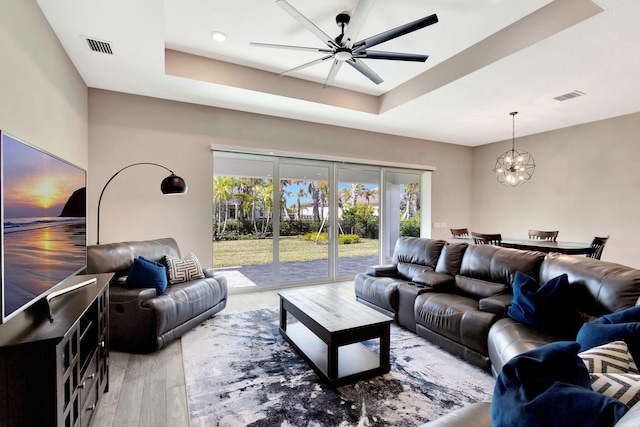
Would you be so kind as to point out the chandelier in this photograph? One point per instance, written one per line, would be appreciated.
(516, 166)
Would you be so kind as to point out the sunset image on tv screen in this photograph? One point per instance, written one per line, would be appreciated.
(44, 222)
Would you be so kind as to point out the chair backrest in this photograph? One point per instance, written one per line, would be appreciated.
(486, 239)
(459, 232)
(597, 246)
(543, 235)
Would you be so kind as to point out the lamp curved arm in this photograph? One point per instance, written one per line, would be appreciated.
(173, 175)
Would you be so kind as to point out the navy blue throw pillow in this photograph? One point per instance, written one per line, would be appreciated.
(145, 273)
(547, 307)
(596, 333)
(550, 386)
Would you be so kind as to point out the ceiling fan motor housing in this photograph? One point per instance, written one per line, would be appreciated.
(343, 19)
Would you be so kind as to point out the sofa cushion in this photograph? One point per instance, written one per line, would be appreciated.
(601, 287)
(409, 271)
(547, 307)
(145, 273)
(550, 386)
(416, 250)
(183, 270)
(478, 289)
(499, 265)
(451, 258)
(455, 317)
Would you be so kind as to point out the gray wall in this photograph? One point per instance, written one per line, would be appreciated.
(125, 129)
(586, 183)
(44, 100)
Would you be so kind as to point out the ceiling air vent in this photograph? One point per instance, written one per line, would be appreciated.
(99, 46)
(570, 95)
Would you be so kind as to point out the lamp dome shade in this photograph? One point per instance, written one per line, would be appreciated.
(173, 184)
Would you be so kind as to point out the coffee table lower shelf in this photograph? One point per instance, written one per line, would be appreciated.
(355, 361)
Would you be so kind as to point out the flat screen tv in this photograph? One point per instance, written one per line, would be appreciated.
(44, 215)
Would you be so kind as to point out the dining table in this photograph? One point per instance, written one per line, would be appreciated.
(568, 248)
(523, 243)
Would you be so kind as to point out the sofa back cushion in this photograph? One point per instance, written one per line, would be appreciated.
(451, 258)
(118, 257)
(416, 250)
(600, 287)
(496, 264)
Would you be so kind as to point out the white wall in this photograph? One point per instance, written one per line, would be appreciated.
(125, 129)
(44, 100)
(586, 183)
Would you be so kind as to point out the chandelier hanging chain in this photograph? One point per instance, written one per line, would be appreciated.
(513, 130)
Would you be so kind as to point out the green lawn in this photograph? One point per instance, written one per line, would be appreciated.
(253, 252)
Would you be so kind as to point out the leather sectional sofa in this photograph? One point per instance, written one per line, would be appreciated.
(457, 295)
(140, 321)
(459, 301)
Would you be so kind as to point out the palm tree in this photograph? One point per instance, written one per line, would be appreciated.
(301, 193)
(323, 186)
(344, 195)
(315, 196)
(356, 190)
(222, 192)
(370, 193)
(411, 193)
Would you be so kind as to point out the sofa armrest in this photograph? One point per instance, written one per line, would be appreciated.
(209, 273)
(497, 304)
(475, 415)
(436, 281)
(122, 295)
(385, 270)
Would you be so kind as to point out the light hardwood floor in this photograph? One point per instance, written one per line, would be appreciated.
(149, 389)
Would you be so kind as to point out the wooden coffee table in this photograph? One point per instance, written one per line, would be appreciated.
(329, 332)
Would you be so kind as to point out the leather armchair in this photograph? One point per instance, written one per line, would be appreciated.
(140, 321)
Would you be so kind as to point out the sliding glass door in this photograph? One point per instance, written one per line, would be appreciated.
(282, 221)
(304, 241)
(358, 219)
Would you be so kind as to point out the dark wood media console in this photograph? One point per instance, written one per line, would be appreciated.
(54, 358)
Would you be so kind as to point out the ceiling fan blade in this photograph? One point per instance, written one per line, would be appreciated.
(328, 40)
(358, 17)
(308, 64)
(284, 46)
(394, 56)
(335, 67)
(368, 72)
(395, 32)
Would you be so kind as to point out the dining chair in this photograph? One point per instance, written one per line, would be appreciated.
(459, 232)
(543, 235)
(597, 246)
(486, 239)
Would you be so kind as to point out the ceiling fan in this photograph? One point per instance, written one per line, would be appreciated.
(344, 49)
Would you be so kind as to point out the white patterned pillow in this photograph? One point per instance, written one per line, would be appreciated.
(609, 358)
(183, 270)
(624, 387)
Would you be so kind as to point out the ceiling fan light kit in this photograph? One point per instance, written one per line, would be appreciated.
(342, 49)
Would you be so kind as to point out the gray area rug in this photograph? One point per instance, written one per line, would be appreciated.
(240, 372)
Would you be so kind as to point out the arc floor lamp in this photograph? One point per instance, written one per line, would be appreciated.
(171, 185)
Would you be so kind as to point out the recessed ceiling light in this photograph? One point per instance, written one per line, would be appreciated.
(218, 36)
